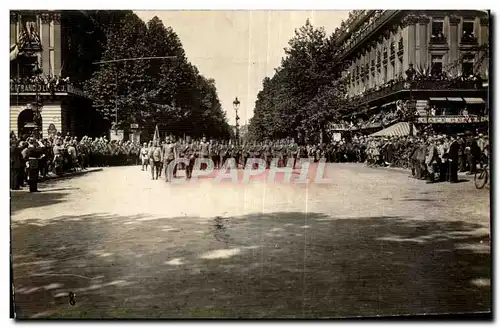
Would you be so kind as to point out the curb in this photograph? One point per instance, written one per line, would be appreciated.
(407, 171)
(69, 175)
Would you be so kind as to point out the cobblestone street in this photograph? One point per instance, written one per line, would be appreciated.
(372, 242)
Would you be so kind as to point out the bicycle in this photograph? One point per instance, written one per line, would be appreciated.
(481, 177)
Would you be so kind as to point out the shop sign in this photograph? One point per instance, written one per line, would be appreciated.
(450, 119)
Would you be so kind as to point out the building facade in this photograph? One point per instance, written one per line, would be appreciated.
(446, 52)
(42, 100)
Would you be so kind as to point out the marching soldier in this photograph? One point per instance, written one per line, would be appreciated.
(223, 153)
(204, 151)
(214, 153)
(155, 156)
(144, 156)
(267, 154)
(169, 154)
(190, 155)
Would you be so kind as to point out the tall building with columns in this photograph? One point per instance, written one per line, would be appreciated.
(45, 96)
(445, 50)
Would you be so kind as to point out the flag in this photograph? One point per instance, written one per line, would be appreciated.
(156, 136)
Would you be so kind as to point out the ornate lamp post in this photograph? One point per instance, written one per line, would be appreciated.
(411, 105)
(236, 105)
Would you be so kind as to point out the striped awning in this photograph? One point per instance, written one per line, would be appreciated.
(396, 130)
(14, 52)
(438, 99)
(455, 99)
(474, 100)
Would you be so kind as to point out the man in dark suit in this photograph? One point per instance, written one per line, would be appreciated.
(453, 156)
(33, 155)
(15, 165)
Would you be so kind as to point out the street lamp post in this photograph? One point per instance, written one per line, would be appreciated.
(236, 105)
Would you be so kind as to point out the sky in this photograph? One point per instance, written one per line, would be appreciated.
(238, 49)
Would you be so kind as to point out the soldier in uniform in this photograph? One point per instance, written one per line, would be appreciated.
(204, 151)
(155, 155)
(431, 160)
(266, 151)
(169, 154)
(33, 155)
(292, 152)
(190, 155)
(144, 156)
(223, 153)
(214, 153)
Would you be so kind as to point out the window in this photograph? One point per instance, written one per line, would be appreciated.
(437, 34)
(401, 45)
(393, 49)
(468, 65)
(385, 73)
(437, 65)
(468, 32)
(385, 53)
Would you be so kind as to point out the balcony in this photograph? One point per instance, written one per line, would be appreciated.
(441, 39)
(33, 88)
(358, 37)
(426, 83)
(469, 40)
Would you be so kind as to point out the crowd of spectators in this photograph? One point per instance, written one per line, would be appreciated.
(68, 154)
(430, 157)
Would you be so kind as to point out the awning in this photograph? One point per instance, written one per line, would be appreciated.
(388, 104)
(474, 100)
(455, 99)
(437, 99)
(397, 130)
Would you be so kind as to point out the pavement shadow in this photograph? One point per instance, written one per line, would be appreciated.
(20, 200)
(261, 265)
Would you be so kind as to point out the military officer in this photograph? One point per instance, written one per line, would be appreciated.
(169, 154)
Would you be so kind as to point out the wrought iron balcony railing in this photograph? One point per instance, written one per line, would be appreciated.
(468, 40)
(417, 84)
(438, 40)
(363, 34)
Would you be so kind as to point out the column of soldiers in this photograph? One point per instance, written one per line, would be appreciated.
(432, 158)
(157, 155)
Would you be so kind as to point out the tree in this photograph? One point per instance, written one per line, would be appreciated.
(291, 102)
(121, 86)
(169, 93)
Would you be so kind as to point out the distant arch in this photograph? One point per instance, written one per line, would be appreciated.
(27, 123)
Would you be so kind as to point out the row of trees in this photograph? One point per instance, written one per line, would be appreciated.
(304, 93)
(169, 92)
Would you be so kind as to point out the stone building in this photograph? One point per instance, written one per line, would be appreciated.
(445, 51)
(43, 99)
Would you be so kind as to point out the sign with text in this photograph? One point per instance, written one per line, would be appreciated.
(451, 119)
(116, 135)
